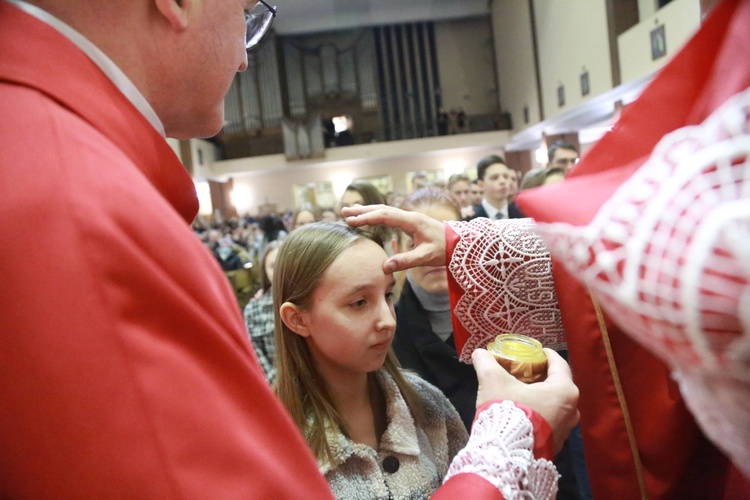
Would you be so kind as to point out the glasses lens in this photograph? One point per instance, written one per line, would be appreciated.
(258, 23)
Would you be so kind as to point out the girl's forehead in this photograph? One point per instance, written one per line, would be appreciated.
(358, 265)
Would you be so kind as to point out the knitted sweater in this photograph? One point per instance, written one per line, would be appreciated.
(411, 461)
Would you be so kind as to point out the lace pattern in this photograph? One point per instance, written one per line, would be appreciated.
(668, 257)
(505, 272)
(500, 450)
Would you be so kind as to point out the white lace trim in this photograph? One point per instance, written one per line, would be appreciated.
(500, 450)
(505, 272)
(668, 257)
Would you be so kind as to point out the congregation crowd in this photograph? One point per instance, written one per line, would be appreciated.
(239, 240)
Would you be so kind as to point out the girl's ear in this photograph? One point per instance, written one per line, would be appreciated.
(175, 12)
(294, 318)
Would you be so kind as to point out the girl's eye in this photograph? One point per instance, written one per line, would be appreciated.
(359, 304)
(389, 297)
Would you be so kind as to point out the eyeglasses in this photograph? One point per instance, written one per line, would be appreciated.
(258, 22)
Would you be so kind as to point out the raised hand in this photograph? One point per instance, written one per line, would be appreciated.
(428, 234)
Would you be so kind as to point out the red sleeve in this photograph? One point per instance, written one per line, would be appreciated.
(460, 333)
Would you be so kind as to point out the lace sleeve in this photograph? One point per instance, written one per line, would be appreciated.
(500, 450)
(505, 272)
(668, 258)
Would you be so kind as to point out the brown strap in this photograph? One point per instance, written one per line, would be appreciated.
(620, 397)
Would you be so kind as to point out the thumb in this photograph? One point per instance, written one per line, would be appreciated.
(406, 260)
(557, 367)
(488, 369)
(495, 383)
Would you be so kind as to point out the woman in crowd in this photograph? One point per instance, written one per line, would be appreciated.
(365, 193)
(376, 431)
(361, 193)
(302, 217)
(259, 315)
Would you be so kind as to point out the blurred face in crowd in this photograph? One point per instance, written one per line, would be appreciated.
(270, 263)
(476, 193)
(460, 191)
(564, 158)
(351, 198)
(513, 183)
(304, 217)
(328, 215)
(419, 181)
(496, 184)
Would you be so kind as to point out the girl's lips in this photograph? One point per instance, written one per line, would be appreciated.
(383, 345)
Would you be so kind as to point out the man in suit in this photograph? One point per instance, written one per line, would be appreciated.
(495, 178)
(562, 154)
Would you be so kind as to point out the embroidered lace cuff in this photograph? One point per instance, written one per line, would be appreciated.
(500, 450)
(505, 272)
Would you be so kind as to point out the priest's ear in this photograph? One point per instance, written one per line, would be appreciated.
(175, 12)
(294, 318)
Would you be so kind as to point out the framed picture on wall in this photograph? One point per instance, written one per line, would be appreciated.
(585, 84)
(384, 183)
(314, 194)
(658, 42)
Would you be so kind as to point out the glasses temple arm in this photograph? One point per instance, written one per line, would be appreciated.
(273, 10)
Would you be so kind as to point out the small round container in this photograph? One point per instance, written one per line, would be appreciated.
(521, 356)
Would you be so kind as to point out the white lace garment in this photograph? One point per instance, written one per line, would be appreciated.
(500, 450)
(505, 272)
(668, 257)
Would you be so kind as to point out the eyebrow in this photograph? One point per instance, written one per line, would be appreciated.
(369, 286)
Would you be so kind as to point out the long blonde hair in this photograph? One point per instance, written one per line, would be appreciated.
(300, 265)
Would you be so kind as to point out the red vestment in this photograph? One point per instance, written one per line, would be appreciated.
(643, 441)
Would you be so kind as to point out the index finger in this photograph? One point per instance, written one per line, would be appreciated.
(358, 209)
(381, 215)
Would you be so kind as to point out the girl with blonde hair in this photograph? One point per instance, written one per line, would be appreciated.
(374, 429)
